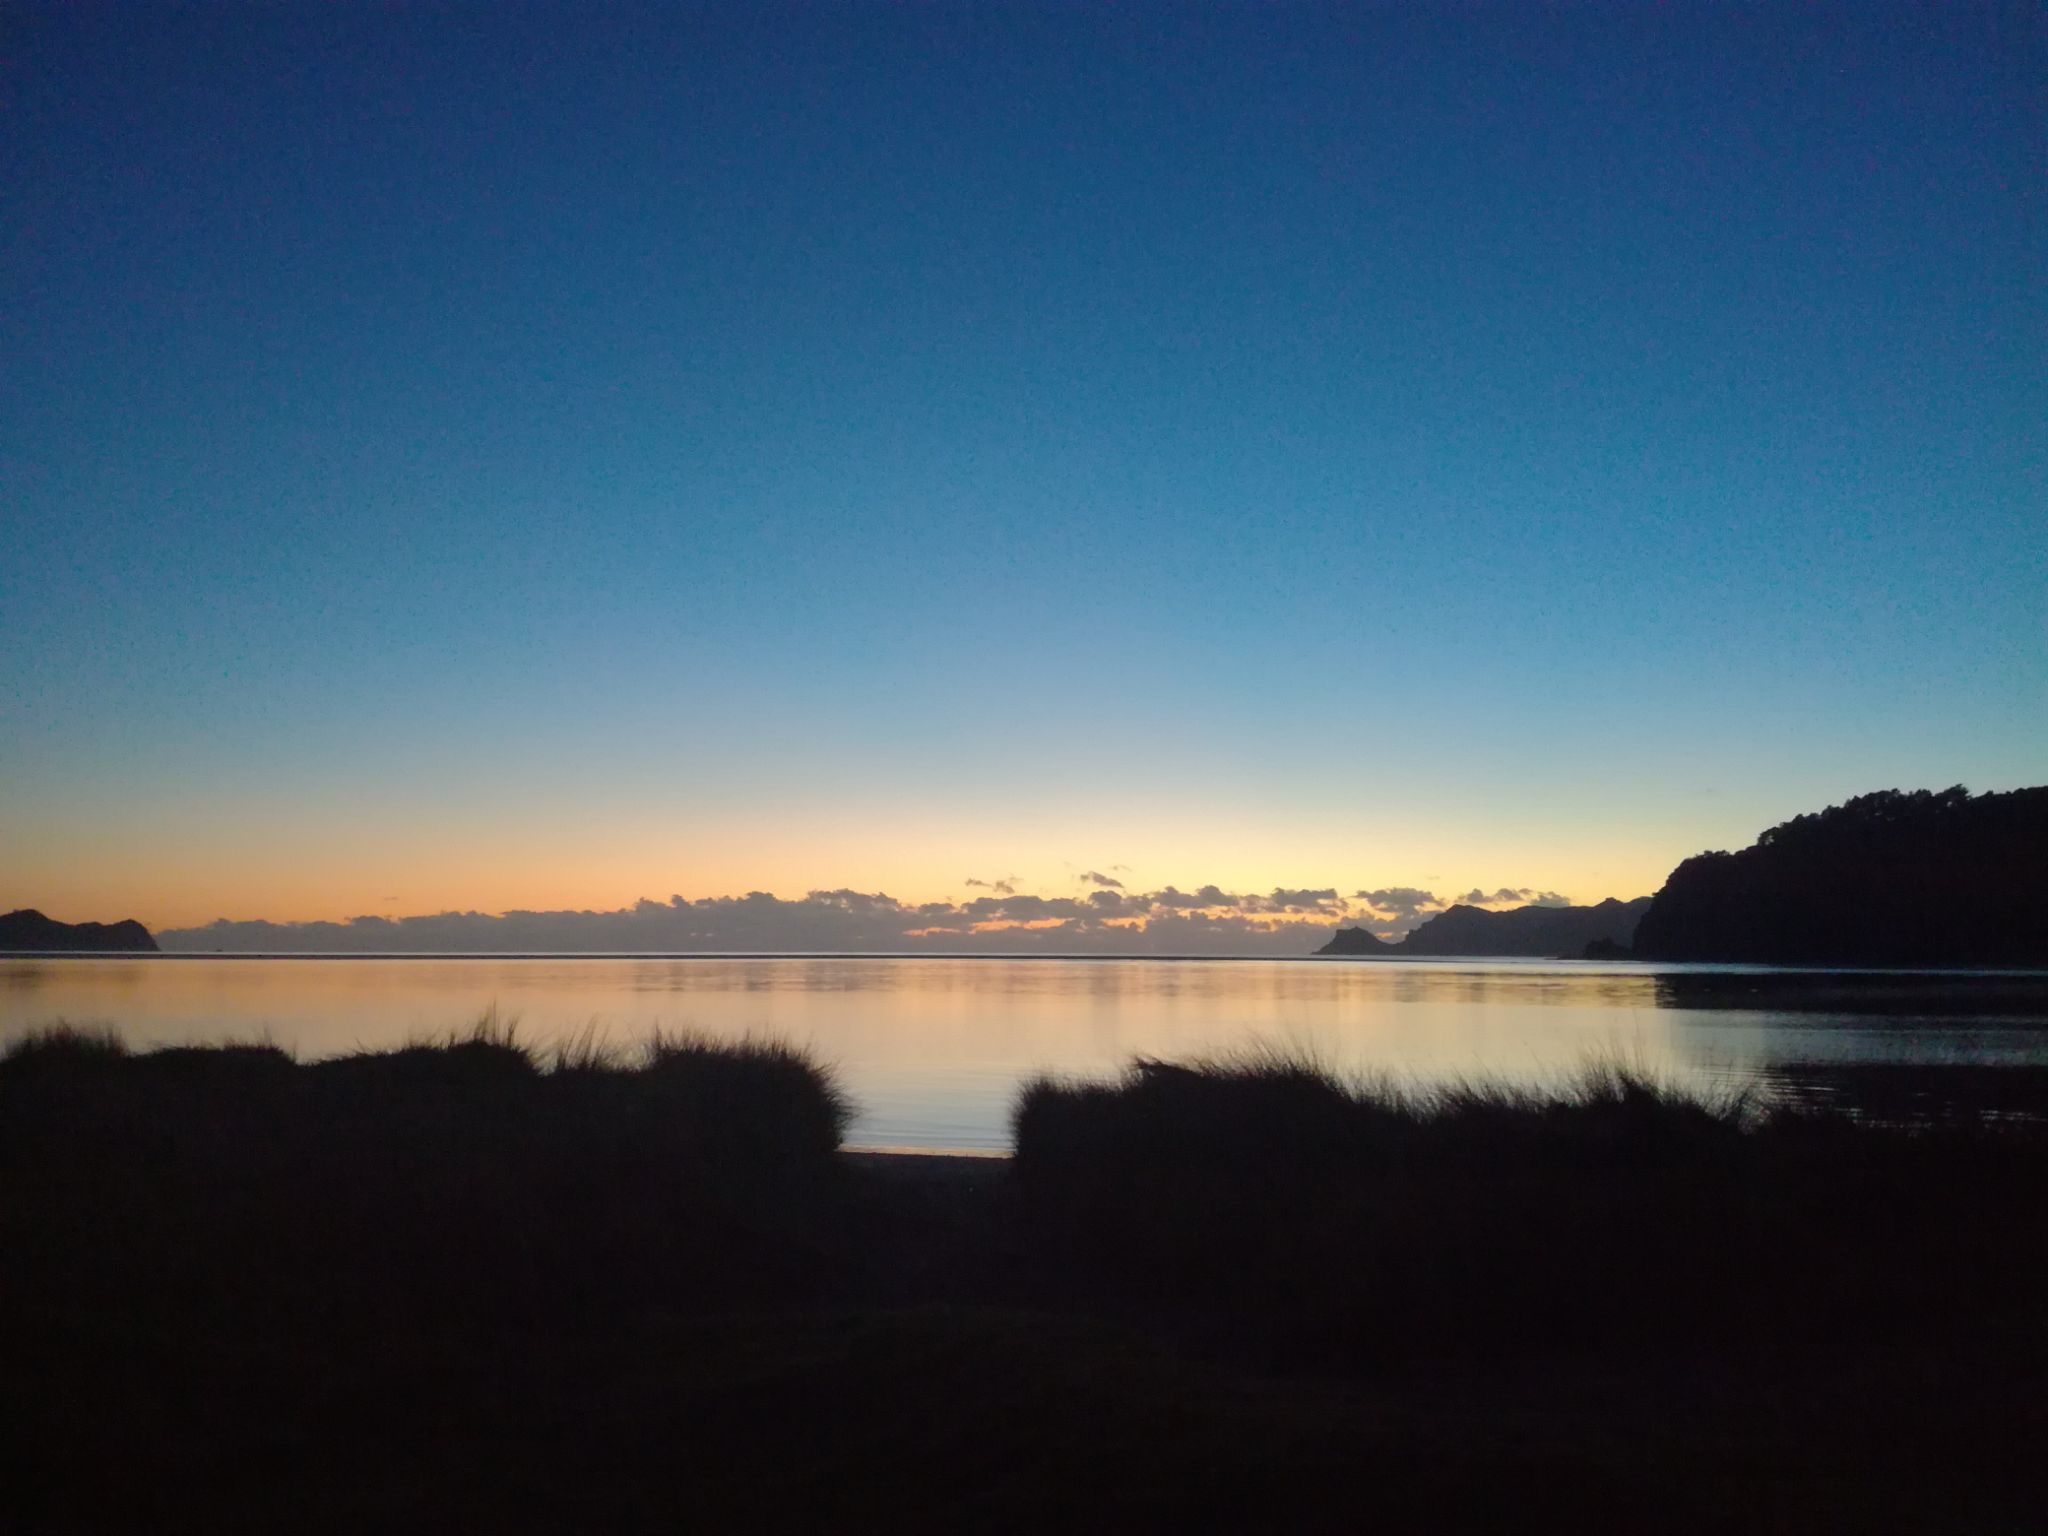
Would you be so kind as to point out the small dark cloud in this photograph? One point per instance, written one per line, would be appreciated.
(1096, 877)
(1399, 901)
(1190, 901)
(1307, 900)
(1514, 896)
(1007, 886)
(1021, 909)
(1282, 899)
(855, 901)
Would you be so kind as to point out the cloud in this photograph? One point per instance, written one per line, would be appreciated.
(1207, 896)
(1303, 899)
(1514, 896)
(1108, 919)
(1281, 899)
(1021, 909)
(1399, 901)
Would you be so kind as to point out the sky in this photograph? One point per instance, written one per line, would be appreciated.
(478, 458)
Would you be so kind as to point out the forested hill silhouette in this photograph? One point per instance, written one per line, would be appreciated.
(1895, 878)
(28, 929)
(1533, 931)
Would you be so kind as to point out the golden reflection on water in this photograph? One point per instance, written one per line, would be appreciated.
(933, 1048)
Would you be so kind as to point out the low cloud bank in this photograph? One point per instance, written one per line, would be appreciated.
(1513, 896)
(1104, 920)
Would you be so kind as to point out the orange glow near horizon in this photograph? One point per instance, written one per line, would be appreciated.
(304, 893)
(193, 865)
(310, 892)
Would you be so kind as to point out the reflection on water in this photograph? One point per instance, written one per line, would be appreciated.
(934, 1048)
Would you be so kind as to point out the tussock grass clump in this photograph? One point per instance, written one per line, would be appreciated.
(487, 1051)
(62, 1048)
(453, 1066)
(461, 1178)
(765, 1094)
(587, 1050)
(1358, 1218)
(231, 1059)
(1612, 1112)
(1266, 1112)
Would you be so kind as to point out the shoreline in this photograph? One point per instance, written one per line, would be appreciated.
(1628, 967)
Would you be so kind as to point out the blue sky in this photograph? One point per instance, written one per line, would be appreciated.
(491, 456)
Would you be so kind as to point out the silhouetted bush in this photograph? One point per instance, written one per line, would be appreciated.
(765, 1097)
(1353, 1221)
(450, 1181)
(245, 1067)
(63, 1048)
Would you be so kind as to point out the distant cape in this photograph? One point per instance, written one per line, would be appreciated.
(28, 929)
(1529, 932)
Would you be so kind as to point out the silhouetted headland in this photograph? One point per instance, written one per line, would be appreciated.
(1472, 932)
(1902, 879)
(27, 930)
(1895, 878)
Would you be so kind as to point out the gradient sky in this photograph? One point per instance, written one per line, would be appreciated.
(488, 457)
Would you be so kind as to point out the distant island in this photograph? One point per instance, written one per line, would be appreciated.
(28, 930)
(1896, 878)
(1465, 932)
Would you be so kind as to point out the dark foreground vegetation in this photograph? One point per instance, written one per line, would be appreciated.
(472, 1286)
(1358, 1223)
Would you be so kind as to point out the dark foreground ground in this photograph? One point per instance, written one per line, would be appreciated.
(312, 1304)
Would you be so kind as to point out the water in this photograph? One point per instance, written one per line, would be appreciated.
(934, 1048)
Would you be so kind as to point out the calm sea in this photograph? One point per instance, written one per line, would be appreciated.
(933, 1049)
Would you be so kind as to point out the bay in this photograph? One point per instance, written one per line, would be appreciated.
(933, 1049)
